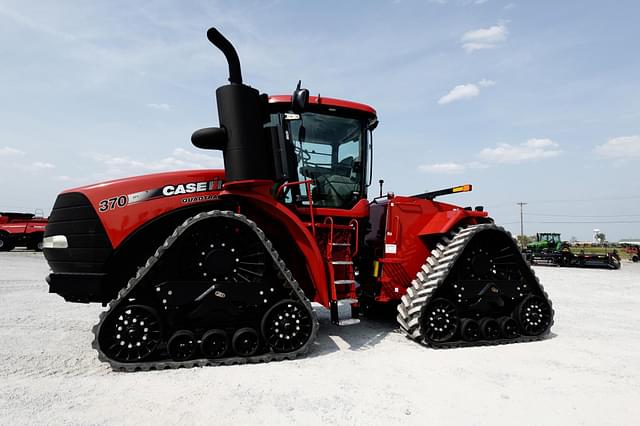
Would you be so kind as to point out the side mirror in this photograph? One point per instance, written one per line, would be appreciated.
(299, 99)
(210, 138)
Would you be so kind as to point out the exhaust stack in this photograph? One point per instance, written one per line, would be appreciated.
(242, 114)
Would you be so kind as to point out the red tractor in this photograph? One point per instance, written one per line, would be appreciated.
(221, 266)
(21, 229)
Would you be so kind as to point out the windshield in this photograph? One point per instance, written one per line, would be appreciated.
(328, 150)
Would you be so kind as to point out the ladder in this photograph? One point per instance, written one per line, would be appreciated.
(341, 246)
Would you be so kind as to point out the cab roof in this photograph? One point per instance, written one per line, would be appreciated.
(332, 102)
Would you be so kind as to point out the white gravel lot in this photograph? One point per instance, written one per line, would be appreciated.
(587, 372)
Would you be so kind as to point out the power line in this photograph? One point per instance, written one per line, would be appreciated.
(576, 215)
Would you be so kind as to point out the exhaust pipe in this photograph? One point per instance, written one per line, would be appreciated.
(242, 114)
(225, 46)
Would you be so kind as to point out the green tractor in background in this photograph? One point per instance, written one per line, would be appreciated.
(547, 241)
(549, 249)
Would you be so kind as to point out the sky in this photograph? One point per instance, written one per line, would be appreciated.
(529, 101)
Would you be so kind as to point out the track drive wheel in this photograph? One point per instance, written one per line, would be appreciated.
(182, 345)
(287, 326)
(245, 342)
(440, 321)
(132, 335)
(534, 315)
(214, 344)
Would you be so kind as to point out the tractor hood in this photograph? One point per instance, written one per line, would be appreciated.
(143, 198)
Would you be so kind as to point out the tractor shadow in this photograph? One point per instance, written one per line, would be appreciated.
(353, 334)
(368, 331)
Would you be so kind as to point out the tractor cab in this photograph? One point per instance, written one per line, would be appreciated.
(322, 153)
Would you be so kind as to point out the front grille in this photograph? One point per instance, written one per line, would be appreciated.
(89, 247)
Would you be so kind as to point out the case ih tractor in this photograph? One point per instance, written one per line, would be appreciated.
(21, 229)
(221, 266)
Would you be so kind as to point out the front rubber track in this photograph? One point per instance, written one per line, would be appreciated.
(284, 273)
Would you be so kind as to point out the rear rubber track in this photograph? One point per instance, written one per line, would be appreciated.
(284, 274)
(433, 274)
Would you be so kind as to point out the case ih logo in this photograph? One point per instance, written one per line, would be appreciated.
(124, 200)
(188, 188)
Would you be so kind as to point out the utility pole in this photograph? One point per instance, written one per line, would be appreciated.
(521, 204)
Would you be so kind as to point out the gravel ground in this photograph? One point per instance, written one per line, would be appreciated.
(586, 372)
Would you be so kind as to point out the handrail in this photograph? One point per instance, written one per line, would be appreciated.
(307, 183)
(332, 281)
(354, 223)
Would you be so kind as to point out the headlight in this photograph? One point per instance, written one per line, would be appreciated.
(55, 241)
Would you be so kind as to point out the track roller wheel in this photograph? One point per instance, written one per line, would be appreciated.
(534, 315)
(245, 342)
(182, 345)
(470, 330)
(286, 327)
(214, 343)
(508, 327)
(490, 328)
(440, 321)
(132, 335)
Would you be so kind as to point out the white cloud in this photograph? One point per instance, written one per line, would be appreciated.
(7, 151)
(39, 165)
(180, 159)
(465, 91)
(620, 148)
(161, 107)
(533, 149)
(480, 1)
(484, 38)
(443, 168)
(462, 91)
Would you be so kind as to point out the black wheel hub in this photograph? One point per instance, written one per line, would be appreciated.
(286, 326)
(214, 343)
(220, 262)
(470, 330)
(534, 315)
(245, 342)
(508, 327)
(132, 334)
(182, 345)
(440, 321)
(480, 263)
(490, 328)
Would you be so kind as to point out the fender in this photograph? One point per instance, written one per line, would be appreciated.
(442, 222)
(304, 240)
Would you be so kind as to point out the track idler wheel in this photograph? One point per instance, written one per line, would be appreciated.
(534, 315)
(245, 342)
(490, 328)
(508, 327)
(131, 334)
(182, 345)
(470, 330)
(440, 321)
(287, 326)
(214, 344)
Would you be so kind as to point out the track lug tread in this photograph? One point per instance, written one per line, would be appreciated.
(433, 273)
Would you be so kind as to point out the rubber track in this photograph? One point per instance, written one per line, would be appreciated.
(433, 274)
(161, 365)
